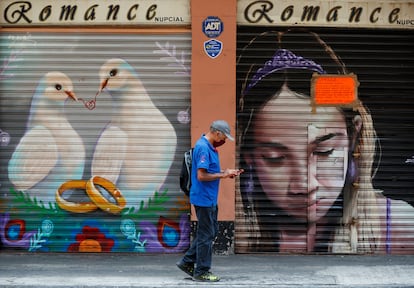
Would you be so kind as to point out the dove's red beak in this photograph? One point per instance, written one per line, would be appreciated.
(103, 85)
(71, 95)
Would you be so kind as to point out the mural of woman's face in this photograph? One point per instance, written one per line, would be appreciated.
(300, 158)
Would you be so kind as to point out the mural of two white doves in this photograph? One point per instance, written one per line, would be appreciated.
(134, 150)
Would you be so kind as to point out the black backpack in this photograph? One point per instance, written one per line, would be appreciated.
(185, 175)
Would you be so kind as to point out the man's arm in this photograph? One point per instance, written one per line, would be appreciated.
(203, 175)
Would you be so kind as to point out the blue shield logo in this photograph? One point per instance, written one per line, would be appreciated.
(213, 48)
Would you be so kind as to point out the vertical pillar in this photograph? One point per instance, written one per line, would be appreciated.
(213, 82)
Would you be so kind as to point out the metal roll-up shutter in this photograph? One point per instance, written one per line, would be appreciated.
(93, 126)
(331, 180)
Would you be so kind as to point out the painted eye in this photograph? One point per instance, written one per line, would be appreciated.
(274, 160)
(324, 153)
(113, 72)
(58, 87)
(271, 155)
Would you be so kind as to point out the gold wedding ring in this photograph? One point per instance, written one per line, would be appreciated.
(83, 207)
(99, 200)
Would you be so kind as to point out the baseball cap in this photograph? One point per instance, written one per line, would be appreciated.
(223, 127)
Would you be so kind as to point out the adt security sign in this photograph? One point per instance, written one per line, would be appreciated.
(212, 26)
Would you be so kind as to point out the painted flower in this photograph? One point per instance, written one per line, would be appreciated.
(4, 138)
(47, 228)
(128, 228)
(13, 232)
(39, 241)
(91, 239)
(183, 117)
(167, 237)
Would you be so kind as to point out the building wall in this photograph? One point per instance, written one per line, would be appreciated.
(184, 74)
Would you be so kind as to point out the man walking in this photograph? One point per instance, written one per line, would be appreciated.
(205, 178)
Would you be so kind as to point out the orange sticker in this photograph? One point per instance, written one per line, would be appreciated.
(334, 90)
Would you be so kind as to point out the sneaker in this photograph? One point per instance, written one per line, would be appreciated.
(186, 267)
(207, 277)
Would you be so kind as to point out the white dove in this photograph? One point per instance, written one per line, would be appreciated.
(136, 149)
(50, 152)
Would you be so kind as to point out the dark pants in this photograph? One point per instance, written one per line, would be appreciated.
(201, 248)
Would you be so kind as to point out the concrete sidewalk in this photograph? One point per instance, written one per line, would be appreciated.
(135, 270)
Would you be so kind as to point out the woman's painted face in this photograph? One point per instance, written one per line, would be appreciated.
(300, 156)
